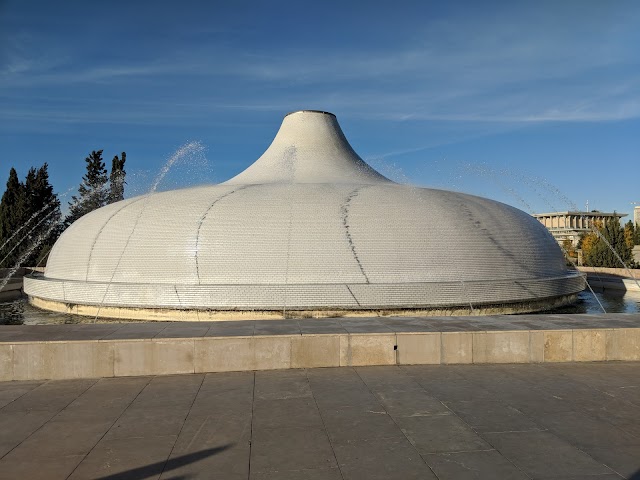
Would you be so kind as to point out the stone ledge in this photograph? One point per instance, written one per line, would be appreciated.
(41, 360)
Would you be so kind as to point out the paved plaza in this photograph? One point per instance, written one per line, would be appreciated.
(560, 421)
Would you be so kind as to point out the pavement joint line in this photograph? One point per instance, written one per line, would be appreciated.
(114, 422)
(532, 418)
(51, 417)
(324, 425)
(394, 420)
(204, 375)
(470, 427)
(253, 405)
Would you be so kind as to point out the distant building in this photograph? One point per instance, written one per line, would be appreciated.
(636, 215)
(570, 225)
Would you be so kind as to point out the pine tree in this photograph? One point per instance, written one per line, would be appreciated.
(45, 201)
(11, 206)
(92, 191)
(609, 253)
(30, 214)
(629, 232)
(116, 179)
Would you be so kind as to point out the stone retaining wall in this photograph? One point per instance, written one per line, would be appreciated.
(120, 358)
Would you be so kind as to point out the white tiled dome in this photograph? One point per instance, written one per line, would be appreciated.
(308, 226)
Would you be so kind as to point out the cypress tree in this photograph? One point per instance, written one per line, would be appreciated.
(44, 200)
(116, 179)
(11, 206)
(28, 210)
(92, 192)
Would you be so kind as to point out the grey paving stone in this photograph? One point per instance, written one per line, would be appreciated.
(606, 476)
(272, 385)
(519, 394)
(130, 458)
(320, 326)
(346, 424)
(409, 402)
(629, 394)
(440, 433)
(183, 331)
(486, 415)
(297, 448)
(225, 392)
(201, 432)
(408, 324)
(364, 325)
(107, 394)
(10, 391)
(583, 430)
(624, 460)
(543, 455)
(343, 390)
(443, 383)
(171, 390)
(241, 328)
(385, 376)
(136, 331)
(388, 458)
(148, 422)
(224, 461)
(27, 466)
(228, 382)
(17, 425)
(615, 374)
(622, 414)
(451, 325)
(276, 327)
(289, 412)
(400, 393)
(50, 396)
(479, 465)
(316, 474)
(62, 438)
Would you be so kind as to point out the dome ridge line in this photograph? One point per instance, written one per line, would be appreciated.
(345, 209)
(203, 218)
(104, 225)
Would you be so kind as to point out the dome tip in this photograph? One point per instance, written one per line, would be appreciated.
(322, 112)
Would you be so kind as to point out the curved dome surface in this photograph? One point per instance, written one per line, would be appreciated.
(308, 226)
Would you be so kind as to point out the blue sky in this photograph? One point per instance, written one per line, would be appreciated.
(536, 104)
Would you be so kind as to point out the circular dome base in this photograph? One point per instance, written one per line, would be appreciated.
(224, 302)
(190, 315)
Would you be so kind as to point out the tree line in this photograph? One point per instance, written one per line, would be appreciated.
(609, 244)
(31, 219)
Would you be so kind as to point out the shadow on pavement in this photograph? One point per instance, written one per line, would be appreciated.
(165, 466)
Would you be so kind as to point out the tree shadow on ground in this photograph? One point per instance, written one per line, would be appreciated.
(155, 469)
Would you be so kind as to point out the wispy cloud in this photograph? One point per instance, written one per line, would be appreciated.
(507, 69)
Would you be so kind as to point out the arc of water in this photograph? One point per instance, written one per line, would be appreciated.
(566, 254)
(182, 152)
(23, 226)
(28, 252)
(46, 217)
(598, 233)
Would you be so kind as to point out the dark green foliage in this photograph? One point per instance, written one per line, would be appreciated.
(92, 192)
(611, 239)
(29, 218)
(43, 205)
(11, 206)
(116, 179)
